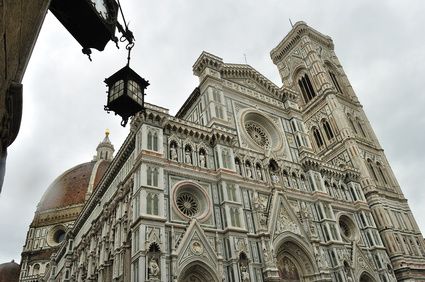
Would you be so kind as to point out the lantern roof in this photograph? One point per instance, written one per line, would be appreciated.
(126, 73)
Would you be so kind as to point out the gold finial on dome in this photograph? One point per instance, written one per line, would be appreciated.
(107, 132)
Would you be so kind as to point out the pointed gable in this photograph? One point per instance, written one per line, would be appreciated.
(194, 246)
(283, 218)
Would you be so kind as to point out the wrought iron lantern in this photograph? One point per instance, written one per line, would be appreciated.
(126, 92)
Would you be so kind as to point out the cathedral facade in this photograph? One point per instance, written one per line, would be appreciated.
(249, 181)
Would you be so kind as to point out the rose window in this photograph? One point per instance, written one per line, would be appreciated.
(187, 204)
(348, 228)
(345, 229)
(258, 134)
(191, 200)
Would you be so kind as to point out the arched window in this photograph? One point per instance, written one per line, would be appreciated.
(382, 173)
(318, 137)
(234, 217)
(294, 180)
(149, 140)
(306, 88)
(152, 204)
(353, 126)
(231, 192)
(152, 176)
(328, 188)
(152, 140)
(372, 169)
(359, 124)
(328, 129)
(335, 82)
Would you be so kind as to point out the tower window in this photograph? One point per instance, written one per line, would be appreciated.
(335, 82)
(318, 137)
(153, 141)
(306, 88)
(152, 204)
(381, 172)
(328, 129)
(152, 176)
(372, 169)
(352, 123)
(359, 124)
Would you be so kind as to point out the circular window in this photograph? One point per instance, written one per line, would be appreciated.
(260, 131)
(191, 200)
(59, 236)
(348, 228)
(258, 134)
(56, 235)
(187, 204)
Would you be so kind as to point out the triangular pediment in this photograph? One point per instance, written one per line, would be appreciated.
(283, 218)
(362, 263)
(195, 246)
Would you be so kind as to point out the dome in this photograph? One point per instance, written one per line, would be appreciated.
(71, 187)
(9, 272)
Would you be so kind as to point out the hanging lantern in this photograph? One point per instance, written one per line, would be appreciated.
(126, 91)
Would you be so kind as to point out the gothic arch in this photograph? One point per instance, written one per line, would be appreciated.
(294, 258)
(366, 277)
(197, 271)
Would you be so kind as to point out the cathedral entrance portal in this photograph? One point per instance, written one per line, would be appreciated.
(197, 272)
(293, 263)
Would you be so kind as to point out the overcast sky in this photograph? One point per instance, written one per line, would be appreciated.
(379, 43)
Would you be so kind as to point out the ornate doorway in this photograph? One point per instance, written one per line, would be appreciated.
(293, 262)
(197, 272)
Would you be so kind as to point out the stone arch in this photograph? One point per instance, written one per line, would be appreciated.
(293, 258)
(366, 277)
(197, 271)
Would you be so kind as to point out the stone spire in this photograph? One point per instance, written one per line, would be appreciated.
(105, 149)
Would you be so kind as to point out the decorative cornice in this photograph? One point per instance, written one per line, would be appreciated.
(246, 71)
(206, 60)
(299, 30)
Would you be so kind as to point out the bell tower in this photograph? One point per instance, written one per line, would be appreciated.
(341, 135)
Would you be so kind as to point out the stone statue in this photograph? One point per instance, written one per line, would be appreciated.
(259, 175)
(153, 268)
(188, 157)
(173, 153)
(248, 172)
(244, 273)
(202, 159)
(275, 178)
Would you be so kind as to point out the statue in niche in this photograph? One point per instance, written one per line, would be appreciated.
(275, 178)
(153, 268)
(188, 157)
(259, 175)
(248, 172)
(202, 159)
(244, 273)
(173, 152)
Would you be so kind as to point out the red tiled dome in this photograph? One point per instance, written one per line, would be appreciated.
(9, 272)
(70, 188)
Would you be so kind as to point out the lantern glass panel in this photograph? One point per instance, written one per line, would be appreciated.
(116, 90)
(135, 92)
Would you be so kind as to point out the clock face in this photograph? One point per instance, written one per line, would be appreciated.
(101, 8)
